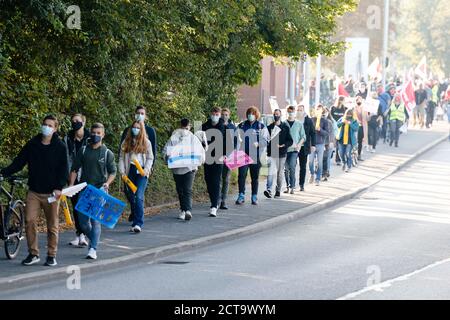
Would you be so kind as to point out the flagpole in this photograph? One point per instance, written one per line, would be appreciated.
(385, 39)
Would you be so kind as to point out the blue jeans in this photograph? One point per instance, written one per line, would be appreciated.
(136, 200)
(345, 151)
(91, 228)
(320, 148)
(289, 171)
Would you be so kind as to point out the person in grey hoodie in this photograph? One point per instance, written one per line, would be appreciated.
(184, 175)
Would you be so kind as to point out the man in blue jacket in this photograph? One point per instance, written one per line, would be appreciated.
(385, 101)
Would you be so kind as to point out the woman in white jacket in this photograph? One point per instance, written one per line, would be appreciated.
(136, 146)
(184, 153)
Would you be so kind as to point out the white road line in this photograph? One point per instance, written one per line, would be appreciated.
(386, 284)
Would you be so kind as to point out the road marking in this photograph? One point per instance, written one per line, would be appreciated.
(386, 284)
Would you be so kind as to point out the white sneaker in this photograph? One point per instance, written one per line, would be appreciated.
(137, 229)
(182, 215)
(83, 242)
(92, 254)
(213, 212)
(188, 216)
(311, 179)
(75, 242)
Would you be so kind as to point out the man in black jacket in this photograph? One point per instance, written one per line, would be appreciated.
(215, 132)
(280, 141)
(46, 157)
(309, 145)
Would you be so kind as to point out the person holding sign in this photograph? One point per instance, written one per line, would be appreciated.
(98, 168)
(184, 153)
(135, 163)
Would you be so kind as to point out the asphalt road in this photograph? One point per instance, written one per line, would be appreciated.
(393, 242)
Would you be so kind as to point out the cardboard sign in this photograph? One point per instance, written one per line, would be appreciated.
(237, 159)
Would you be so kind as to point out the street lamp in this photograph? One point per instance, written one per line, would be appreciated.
(385, 39)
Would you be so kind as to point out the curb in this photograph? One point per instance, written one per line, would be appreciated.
(154, 254)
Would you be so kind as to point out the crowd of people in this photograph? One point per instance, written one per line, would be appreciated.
(311, 139)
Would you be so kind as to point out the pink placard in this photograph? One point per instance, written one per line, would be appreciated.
(237, 159)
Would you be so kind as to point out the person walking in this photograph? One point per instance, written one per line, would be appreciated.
(98, 168)
(375, 124)
(322, 131)
(330, 143)
(297, 133)
(397, 115)
(230, 145)
(308, 147)
(419, 109)
(45, 156)
(337, 112)
(385, 99)
(136, 148)
(184, 175)
(75, 140)
(140, 114)
(254, 136)
(360, 116)
(277, 149)
(215, 132)
(348, 128)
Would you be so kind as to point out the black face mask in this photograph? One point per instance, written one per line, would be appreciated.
(276, 118)
(359, 103)
(94, 139)
(76, 125)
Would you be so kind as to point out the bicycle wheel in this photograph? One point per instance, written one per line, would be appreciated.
(14, 226)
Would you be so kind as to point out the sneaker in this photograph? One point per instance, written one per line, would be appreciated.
(254, 200)
(302, 188)
(317, 182)
(292, 191)
(50, 262)
(83, 242)
(30, 260)
(343, 167)
(396, 145)
(92, 254)
(338, 164)
(360, 158)
(182, 215)
(188, 216)
(240, 199)
(268, 194)
(347, 170)
(325, 178)
(213, 212)
(277, 194)
(75, 242)
(372, 150)
(286, 191)
(223, 206)
(137, 229)
(311, 179)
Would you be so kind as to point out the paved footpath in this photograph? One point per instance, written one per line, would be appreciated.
(164, 234)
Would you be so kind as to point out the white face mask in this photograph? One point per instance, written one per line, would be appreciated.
(46, 130)
(135, 131)
(215, 119)
(139, 117)
(291, 115)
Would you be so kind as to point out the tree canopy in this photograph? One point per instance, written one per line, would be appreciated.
(176, 57)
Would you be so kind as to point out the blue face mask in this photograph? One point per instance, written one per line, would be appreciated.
(46, 130)
(135, 131)
(251, 117)
(94, 139)
(215, 119)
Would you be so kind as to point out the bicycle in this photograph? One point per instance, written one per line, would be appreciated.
(11, 217)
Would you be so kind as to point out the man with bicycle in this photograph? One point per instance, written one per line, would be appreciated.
(45, 156)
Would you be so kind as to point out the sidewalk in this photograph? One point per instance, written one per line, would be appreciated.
(164, 234)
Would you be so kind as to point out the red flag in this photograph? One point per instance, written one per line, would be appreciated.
(408, 96)
(342, 91)
(421, 69)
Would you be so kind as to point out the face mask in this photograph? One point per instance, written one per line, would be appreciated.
(291, 115)
(46, 130)
(215, 119)
(276, 118)
(359, 103)
(225, 118)
(251, 117)
(77, 125)
(135, 131)
(139, 117)
(94, 139)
